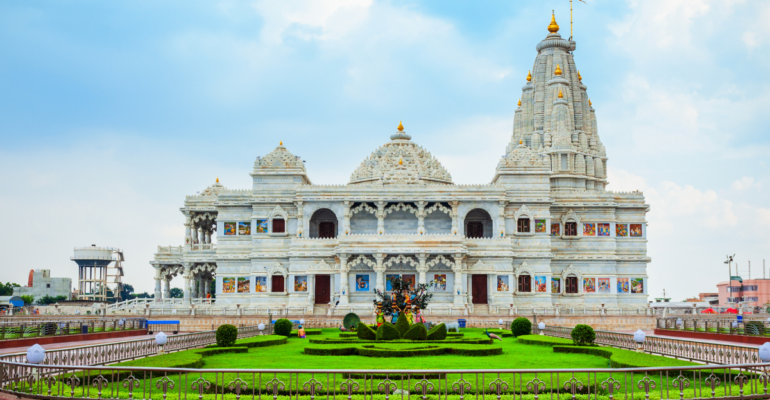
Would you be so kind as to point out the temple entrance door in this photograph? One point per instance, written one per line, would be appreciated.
(322, 289)
(479, 289)
(277, 286)
(326, 230)
(475, 230)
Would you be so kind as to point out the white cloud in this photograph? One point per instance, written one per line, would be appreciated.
(743, 183)
(751, 40)
(309, 19)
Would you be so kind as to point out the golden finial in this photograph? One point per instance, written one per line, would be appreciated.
(580, 78)
(400, 126)
(521, 141)
(217, 179)
(560, 95)
(553, 27)
(519, 102)
(280, 143)
(529, 76)
(557, 72)
(401, 161)
(589, 102)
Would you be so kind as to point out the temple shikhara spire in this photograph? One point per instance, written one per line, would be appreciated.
(544, 232)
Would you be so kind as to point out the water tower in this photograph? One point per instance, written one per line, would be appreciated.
(100, 273)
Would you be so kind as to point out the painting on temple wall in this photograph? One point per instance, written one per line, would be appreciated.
(555, 285)
(300, 283)
(604, 285)
(539, 226)
(589, 229)
(362, 283)
(555, 230)
(244, 285)
(637, 285)
(502, 283)
(540, 284)
(623, 285)
(636, 230)
(621, 230)
(228, 285)
(260, 284)
(388, 281)
(229, 228)
(410, 279)
(589, 285)
(261, 226)
(439, 282)
(604, 229)
(244, 228)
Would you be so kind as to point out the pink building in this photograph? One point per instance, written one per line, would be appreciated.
(754, 291)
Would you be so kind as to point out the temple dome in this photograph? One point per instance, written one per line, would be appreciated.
(400, 162)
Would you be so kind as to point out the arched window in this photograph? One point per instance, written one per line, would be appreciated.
(324, 224)
(478, 224)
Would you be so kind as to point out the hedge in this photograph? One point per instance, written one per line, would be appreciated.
(402, 324)
(282, 327)
(226, 335)
(454, 334)
(438, 332)
(387, 331)
(521, 326)
(543, 340)
(416, 332)
(427, 350)
(348, 334)
(262, 341)
(477, 340)
(364, 332)
(308, 332)
(583, 335)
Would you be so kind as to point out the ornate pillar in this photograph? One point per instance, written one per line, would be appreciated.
(422, 269)
(455, 217)
(458, 270)
(300, 220)
(208, 235)
(311, 289)
(167, 287)
(194, 231)
(344, 293)
(194, 288)
(157, 281)
(380, 270)
(501, 219)
(420, 217)
(381, 217)
(202, 288)
(206, 287)
(346, 218)
(187, 278)
(187, 229)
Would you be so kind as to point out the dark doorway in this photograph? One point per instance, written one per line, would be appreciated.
(277, 286)
(525, 283)
(475, 230)
(571, 284)
(322, 289)
(279, 226)
(479, 289)
(326, 230)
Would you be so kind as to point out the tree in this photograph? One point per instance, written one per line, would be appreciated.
(28, 299)
(127, 292)
(7, 289)
(418, 296)
(144, 296)
(176, 293)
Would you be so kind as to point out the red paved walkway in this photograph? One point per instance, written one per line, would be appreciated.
(649, 333)
(76, 344)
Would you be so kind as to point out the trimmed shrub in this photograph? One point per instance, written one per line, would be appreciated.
(521, 326)
(402, 324)
(538, 340)
(438, 332)
(282, 327)
(583, 335)
(452, 329)
(351, 319)
(387, 331)
(226, 335)
(416, 332)
(365, 332)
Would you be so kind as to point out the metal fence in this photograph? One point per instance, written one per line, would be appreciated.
(750, 325)
(747, 381)
(31, 328)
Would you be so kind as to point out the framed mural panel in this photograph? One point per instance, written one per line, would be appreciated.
(555, 285)
(589, 229)
(409, 279)
(503, 283)
(300, 283)
(540, 284)
(439, 282)
(636, 230)
(260, 284)
(228, 285)
(261, 226)
(230, 229)
(539, 226)
(244, 228)
(621, 230)
(589, 285)
(362, 282)
(604, 285)
(388, 283)
(604, 229)
(637, 285)
(555, 230)
(623, 285)
(244, 285)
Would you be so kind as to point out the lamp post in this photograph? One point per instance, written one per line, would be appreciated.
(302, 322)
(500, 323)
(160, 340)
(35, 354)
(261, 327)
(639, 337)
(541, 327)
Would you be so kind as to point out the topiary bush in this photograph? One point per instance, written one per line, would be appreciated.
(438, 332)
(387, 331)
(583, 335)
(416, 332)
(402, 324)
(226, 335)
(364, 332)
(520, 327)
(351, 319)
(282, 327)
(452, 329)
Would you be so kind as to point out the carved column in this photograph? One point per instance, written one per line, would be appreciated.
(194, 231)
(381, 217)
(380, 270)
(300, 220)
(206, 287)
(157, 281)
(420, 217)
(422, 269)
(344, 293)
(501, 219)
(458, 269)
(202, 288)
(167, 287)
(311, 289)
(346, 218)
(187, 228)
(455, 217)
(187, 278)
(208, 235)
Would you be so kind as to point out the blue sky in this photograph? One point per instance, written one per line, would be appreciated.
(111, 112)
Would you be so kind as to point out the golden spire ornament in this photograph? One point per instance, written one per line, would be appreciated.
(280, 143)
(561, 96)
(400, 126)
(217, 179)
(580, 78)
(529, 76)
(519, 102)
(553, 27)
(589, 102)
(557, 72)
(400, 161)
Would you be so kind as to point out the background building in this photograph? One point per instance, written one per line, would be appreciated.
(754, 292)
(41, 284)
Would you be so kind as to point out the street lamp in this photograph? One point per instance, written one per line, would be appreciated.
(261, 327)
(541, 326)
(639, 337)
(500, 323)
(302, 322)
(35, 354)
(764, 352)
(160, 340)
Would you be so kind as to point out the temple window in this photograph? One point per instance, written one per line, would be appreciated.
(478, 224)
(323, 224)
(570, 229)
(279, 226)
(523, 225)
(525, 283)
(571, 285)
